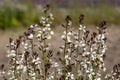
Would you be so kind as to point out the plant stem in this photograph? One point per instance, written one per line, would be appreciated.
(76, 66)
(32, 43)
(44, 57)
(65, 46)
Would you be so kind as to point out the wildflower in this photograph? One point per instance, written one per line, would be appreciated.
(82, 28)
(30, 36)
(12, 53)
(47, 25)
(52, 33)
(55, 64)
(51, 16)
(63, 36)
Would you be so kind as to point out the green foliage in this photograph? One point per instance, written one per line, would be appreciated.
(16, 16)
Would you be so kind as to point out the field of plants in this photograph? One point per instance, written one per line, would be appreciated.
(80, 55)
(59, 41)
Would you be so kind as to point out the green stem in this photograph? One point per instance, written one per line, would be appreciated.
(32, 43)
(27, 68)
(65, 52)
(15, 73)
(44, 57)
(76, 66)
(55, 74)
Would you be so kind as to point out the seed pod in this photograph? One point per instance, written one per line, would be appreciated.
(81, 18)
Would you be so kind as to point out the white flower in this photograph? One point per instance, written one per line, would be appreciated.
(70, 23)
(49, 37)
(59, 71)
(26, 45)
(87, 53)
(51, 77)
(98, 79)
(76, 37)
(82, 44)
(38, 35)
(69, 33)
(24, 69)
(67, 62)
(12, 43)
(82, 28)
(51, 16)
(36, 61)
(68, 38)
(55, 64)
(69, 50)
(30, 36)
(2, 73)
(63, 36)
(64, 32)
(40, 32)
(102, 36)
(47, 25)
(72, 76)
(104, 69)
(52, 33)
(43, 18)
(12, 53)
(20, 67)
(49, 28)
(66, 56)
(31, 26)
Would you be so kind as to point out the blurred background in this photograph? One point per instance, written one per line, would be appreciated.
(17, 15)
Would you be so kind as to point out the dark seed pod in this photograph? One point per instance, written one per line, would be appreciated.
(69, 68)
(47, 66)
(10, 40)
(18, 43)
(102, 25)
(68, 18)
(62, 77)
(47, 7)
(2, 66)
(81, 17)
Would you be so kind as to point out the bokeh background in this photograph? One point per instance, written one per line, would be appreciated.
(17, 15)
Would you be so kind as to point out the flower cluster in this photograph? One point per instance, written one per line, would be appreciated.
(93, 48)
(80, 57)
(115, 74)
(30, 55)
